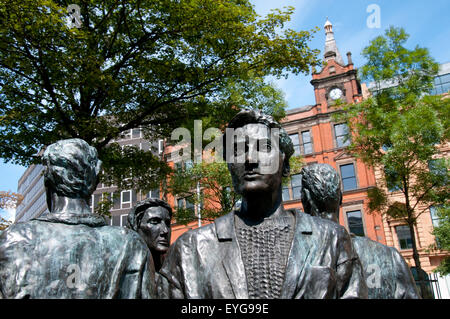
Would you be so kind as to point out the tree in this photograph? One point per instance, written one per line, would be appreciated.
(205, 184)
(209, 185)
(8, 200)
(399, 129)
(442, 233)
(130, 64)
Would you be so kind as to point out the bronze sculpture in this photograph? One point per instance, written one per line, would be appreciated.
(386, 272)
(71, 252)
(261, 250)
(151, 218)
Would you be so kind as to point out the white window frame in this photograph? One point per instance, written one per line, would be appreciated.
(122, 202)
(160, 146)
(121, 224)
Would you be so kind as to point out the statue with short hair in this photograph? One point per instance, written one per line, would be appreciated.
(70, 252)
(261, 250)
(386, 273)
(151, 219)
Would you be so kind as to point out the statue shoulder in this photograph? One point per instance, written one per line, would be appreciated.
(323, 226)
(21, 231)
(194, 235)
(126, 235)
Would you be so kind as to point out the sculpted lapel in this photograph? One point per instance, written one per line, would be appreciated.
(232, 260)
(298, 258)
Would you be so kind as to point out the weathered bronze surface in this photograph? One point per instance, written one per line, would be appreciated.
(151, 218)
(386, 273)
(72, 253)
(316, 259)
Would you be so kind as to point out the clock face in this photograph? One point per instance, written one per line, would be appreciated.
(335, 93)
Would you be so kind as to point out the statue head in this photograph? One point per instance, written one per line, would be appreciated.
(71, 168)
(150, 218)
(260, 158)
(321, 191)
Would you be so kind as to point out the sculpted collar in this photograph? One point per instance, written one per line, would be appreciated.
(92, 220)
(225, 225)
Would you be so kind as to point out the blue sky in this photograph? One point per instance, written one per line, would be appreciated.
(425, 21)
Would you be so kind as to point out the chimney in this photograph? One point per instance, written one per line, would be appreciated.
(349, 57)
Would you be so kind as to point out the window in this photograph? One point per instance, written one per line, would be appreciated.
(96, 200)
(186, 203)
(189, 204)
(294, 190)
(181, 166)
(355, 223)
(404, 237)
(136, 133)
(188, 164)
(116, 200)
(348, 177)
(438, 168)
(296, 184)
(160, 146)
(307, 142)
(154, 193)
(295, 140)
(115, 221)
(393, 182)
(441, 84)
(340, 133)
(126, 199)
(434, 216)
(436, 220)
(123, 220)
(126, 135)
(285, 193)
(119, 220)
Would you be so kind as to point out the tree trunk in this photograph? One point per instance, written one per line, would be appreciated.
(423, 289)
(411, 221)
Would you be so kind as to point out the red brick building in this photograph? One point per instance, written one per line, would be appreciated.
(320, 140)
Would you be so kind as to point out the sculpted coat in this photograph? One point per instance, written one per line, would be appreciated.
(206, 263)
(387, 274)
(70, 257)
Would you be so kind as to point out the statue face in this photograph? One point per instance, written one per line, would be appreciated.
(155, 228)
(248, 177)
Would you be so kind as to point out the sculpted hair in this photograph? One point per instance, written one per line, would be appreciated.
(256, 117)
(71, 168)
(323, 183)
(137, 212)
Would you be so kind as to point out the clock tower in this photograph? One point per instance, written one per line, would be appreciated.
(337, 80)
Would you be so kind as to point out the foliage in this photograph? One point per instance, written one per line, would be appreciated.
(296, 164)
(216, 196)
(151, 64)
(4, 223)
(399, 129)
(442, 233)
(10, 199)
